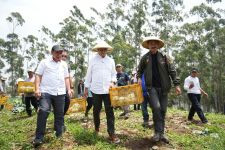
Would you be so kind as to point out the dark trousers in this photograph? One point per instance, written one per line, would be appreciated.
(46, 101)
(31, 101)
(97, 103)
(1, 107)
(137, 106)
(67, 103)
(144, 108)
(158, 104)
(196, 107)
(90, 104)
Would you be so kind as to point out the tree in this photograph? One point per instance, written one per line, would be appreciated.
(13, 45)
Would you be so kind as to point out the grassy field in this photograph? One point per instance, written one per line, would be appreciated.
(17, 132)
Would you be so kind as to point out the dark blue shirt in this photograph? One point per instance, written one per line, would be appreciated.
(122, 79)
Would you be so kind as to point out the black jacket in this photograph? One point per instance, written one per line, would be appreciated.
(166, 69)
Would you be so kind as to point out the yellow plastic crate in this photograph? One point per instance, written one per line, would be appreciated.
(9, 106)
(26, 87)
(77, 105)
(3, 99)
(126, 95)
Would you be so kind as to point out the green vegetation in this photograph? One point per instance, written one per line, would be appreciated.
(17, 132)
(194, 37)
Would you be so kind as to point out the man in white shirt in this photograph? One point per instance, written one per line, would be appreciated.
(192, 86)
(51, 82)
(30, 98)
(101, 75)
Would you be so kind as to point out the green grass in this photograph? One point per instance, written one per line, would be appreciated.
(17, 132)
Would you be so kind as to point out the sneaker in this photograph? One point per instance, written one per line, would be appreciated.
(126, 116)
(156, 137)
(122, 114)
(164, 138)
(146, 124)
(114, 139)
(205, 121)
(37, 142)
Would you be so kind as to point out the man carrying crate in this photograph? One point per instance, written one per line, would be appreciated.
(101, 75)
(122, 80)
(158, 72)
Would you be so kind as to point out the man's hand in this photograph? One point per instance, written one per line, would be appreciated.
(37, 94)
(139, 81)
(206, 94)
(191, 86)
(85, 92)
(69, 92)
(112, 84)
(178, 90)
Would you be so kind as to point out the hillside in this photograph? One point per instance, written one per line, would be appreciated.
(17, 132)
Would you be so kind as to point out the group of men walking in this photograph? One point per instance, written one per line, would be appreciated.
(155, 70)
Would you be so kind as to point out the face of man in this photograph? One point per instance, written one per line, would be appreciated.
(102, 52)
(30, 74)
(119, 69)
(194, 73)
(57, 55)
(64, 55)
(153, 46)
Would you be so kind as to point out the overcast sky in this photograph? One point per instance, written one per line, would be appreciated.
(38, 13)
(49, 13)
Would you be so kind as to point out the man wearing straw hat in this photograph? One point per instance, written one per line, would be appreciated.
(101, 75)
(158, 72)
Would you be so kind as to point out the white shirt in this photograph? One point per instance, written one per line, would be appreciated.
(189, 80)
(53, 76)
(101, 72)
(30, 79)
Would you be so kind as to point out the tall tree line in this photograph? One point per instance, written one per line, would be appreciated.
(123, 25)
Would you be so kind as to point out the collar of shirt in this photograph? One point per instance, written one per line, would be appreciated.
(52, 59)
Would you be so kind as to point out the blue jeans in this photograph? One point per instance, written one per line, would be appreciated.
(46, 101)
(144, 108)
(158, 103)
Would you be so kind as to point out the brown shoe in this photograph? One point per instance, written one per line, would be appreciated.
(114, 139)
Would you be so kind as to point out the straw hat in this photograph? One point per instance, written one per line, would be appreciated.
(102, 45)
(152, 38)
